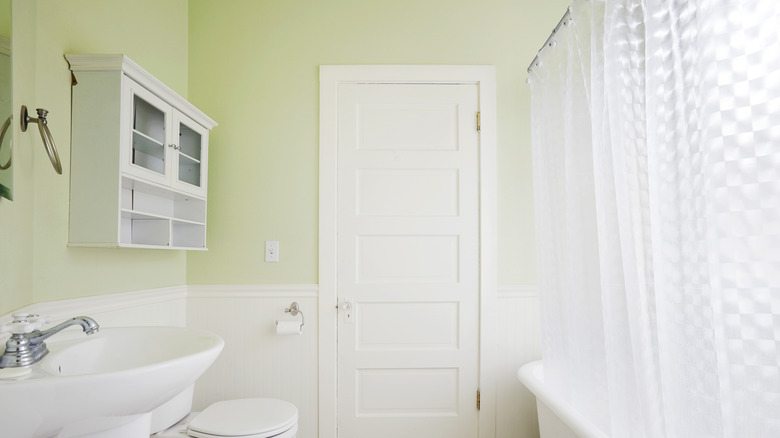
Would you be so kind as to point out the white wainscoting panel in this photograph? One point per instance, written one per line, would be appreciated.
(518, 343)
(256, 362)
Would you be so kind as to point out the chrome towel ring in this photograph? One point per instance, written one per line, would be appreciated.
(48, 141)
(3, 130)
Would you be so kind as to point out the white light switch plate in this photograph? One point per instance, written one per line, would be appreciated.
(271, 250)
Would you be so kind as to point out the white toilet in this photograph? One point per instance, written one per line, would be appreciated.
(242, 418)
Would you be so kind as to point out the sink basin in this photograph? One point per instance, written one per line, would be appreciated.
(88, 384)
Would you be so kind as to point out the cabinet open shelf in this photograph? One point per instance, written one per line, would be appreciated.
(157, 216)
(139, 215)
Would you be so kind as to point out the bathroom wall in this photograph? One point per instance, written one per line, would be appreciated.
(5, 19)
(254, 68)
(16, 216)
(35, 263)
(256, 362)
(519, 342)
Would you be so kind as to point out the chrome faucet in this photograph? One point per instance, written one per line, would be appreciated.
(26, 347)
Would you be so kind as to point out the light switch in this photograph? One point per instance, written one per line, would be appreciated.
(271, 250)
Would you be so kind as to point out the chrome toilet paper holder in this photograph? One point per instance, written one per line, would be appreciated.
(294, 310)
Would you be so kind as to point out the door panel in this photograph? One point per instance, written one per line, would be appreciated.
(384, 392)
(384, 192)
(407, 127)
(408, 260)
(420, 258)
(427, 326)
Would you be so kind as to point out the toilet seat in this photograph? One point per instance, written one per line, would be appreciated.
(246, 418)
(290, 433)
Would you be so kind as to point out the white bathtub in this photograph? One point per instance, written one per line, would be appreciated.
(557, 419)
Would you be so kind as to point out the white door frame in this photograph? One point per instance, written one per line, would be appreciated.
(330, 77)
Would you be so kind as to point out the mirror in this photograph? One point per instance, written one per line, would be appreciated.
(6, 106)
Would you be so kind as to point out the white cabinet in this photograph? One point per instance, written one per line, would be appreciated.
(139, 159)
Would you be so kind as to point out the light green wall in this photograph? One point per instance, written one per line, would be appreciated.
(5, 18)
(254, 69)
(251, 65)
(36, 265)
(16, 224)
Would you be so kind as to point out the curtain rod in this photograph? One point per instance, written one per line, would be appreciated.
(549, 40)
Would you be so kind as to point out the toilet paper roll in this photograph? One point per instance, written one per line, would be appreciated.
(288, 327)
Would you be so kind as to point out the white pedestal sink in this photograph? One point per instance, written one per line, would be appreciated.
(108, 381)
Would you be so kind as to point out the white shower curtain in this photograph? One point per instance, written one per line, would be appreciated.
(656, 148)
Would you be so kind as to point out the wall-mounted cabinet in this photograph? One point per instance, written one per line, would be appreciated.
(139, 159)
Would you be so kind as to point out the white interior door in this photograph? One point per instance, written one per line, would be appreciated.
(407, 260)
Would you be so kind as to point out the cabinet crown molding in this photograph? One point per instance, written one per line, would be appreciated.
(121, 63)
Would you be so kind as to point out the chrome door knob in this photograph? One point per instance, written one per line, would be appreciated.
(346, 305)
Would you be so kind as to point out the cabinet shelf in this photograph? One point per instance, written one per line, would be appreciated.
(187, 157)
(142, 246)
(148, 152)
(132, 214)
(145, 143)
(185, 221)
(135, 214)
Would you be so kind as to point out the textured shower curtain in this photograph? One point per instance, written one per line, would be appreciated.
(656, 148)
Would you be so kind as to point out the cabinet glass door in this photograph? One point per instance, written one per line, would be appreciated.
(148, 137)
(191, 155)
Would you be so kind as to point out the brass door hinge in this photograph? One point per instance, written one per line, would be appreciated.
(479, 121)
(478, 401)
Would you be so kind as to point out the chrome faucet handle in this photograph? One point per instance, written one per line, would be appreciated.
(23, 323)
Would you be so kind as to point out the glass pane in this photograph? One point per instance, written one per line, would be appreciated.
(148, 120)
(189, 155)
(148, 136)
(189, 170)
(189, 141)
(148, 154)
